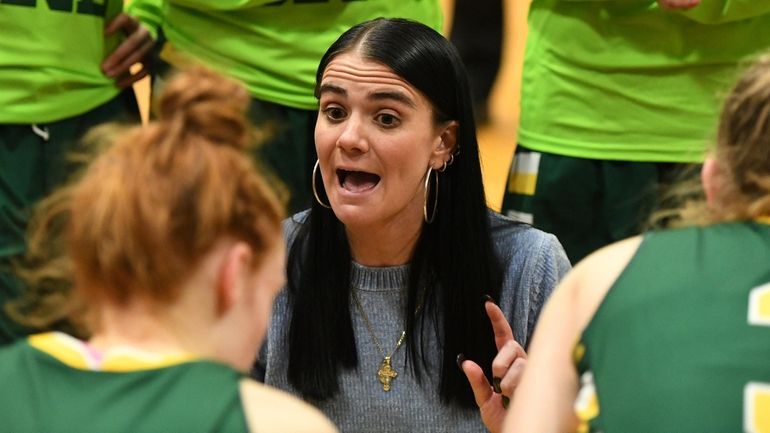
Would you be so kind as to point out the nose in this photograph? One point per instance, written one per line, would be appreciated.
(353, 139)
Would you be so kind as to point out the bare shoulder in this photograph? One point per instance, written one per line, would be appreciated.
(593, 277)
(271, 410)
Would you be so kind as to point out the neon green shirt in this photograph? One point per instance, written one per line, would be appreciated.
(272, 46)
(626, 80)
(50, 58)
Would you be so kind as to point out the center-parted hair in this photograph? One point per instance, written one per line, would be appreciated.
(453, 264)
(150, 207)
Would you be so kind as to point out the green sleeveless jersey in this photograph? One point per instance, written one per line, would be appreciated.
(681, 343)
(50, 57)
(50, 383)
(272, 46)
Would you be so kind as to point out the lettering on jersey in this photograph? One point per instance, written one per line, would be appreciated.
(298, 2)
(756, 408)
(759, 306)
(82, 7)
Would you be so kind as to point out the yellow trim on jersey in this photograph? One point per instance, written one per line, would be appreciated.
(522, 183)
(763, 219)
(60, 348)
(522, 178)
(578, 352)
(75, 353)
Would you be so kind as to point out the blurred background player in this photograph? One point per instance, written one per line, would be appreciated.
(617, 96)
(64, 67)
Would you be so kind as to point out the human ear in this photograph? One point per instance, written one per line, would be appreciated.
(447, 145)
(710, 176)
(233, 277)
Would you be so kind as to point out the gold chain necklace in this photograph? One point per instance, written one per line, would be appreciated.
(385, 373)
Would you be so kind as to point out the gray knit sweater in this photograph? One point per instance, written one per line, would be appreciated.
(533, 261)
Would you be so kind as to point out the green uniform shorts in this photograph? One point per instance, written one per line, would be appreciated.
(586, 203)
(34, 160)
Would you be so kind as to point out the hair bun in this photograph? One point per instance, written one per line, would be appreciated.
(201, 102)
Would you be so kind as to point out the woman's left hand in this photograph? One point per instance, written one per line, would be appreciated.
(507, 369)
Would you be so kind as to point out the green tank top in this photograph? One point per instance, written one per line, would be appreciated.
(50, 58)
(50, 383)
(681, 343)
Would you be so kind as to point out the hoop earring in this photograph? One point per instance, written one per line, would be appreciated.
(441, 170)
(435, 202)
(315, 193)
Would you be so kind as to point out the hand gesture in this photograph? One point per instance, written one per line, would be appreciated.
(671, 5)
(134, 49)
(507, 368)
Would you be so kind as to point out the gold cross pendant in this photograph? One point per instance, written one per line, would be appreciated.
(386, 374)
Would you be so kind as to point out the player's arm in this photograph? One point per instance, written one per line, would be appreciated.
(544, 399)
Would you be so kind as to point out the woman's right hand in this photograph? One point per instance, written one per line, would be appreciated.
(507, 370)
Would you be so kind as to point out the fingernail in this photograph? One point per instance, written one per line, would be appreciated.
(506, 400)
(496, 384)
(460, 360)
(488, 298)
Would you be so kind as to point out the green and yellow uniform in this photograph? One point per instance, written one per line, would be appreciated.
(681, 341)
(53, 382)
(614, 92)
(52, 91)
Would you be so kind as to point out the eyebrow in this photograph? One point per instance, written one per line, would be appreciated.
(331, 88)
(377, 96)
(396, 96)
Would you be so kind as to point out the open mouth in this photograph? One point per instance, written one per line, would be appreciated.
(357, 181)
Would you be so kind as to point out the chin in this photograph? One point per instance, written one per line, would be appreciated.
(353, 215)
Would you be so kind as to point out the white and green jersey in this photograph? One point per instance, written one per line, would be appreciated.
(626, 80)
(50, 57)
(273, 46)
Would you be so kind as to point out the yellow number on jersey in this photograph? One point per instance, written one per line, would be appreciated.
(756, 406)
(756, 395)
(759, 305)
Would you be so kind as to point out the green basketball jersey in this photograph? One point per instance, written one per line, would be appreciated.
(51, 383)
(681, 343)
(50, 57)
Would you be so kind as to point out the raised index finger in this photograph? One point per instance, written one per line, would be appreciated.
(500, 325)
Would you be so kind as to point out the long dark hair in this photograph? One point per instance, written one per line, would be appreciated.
(453, 264)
